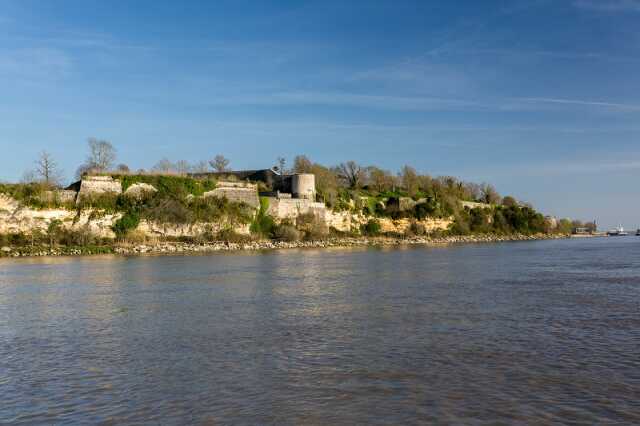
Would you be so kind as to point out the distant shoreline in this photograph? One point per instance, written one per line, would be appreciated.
(264, 245)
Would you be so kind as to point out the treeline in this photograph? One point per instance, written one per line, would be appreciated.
(369, 190)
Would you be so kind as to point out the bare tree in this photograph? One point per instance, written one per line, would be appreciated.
(101, 154)
(219, 163)
(163, 166)
(123, 168)
(379, 179)
(200, 167)
(489, 194)
(409, 178)
(182, 166)
(47, 170)
(302, 164)
(281, 168)
(351, 173)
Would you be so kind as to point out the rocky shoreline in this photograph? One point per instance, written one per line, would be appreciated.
(179, 247)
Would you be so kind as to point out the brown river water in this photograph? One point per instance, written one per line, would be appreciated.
(544, 332)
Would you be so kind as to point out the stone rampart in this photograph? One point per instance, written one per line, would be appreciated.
(237, 192)
(97, 185)
(475, 205)
(291, 208)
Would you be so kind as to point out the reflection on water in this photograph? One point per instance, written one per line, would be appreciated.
(513, 333)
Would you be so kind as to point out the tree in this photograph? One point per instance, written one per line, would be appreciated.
(509, 201)
(182, 167)
(163, 166)
(123, 168)
(219, 163)
(409, 178)
(351, 173)
(489, 194)
(101, 154)
(47, 169)
(200, 167)
(379, 179)
(302, 164)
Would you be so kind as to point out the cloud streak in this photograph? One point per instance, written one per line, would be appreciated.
(611, 105)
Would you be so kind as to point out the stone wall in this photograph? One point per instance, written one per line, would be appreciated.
(238, 192)
(291, 208)
(475, 205)
(96, 185)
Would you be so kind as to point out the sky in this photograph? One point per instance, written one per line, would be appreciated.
(540, 97)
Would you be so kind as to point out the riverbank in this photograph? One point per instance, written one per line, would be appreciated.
(181, 247)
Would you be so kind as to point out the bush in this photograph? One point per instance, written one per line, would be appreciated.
(371, 228)
(179, 186)
(107, 201)
(286, 232)
(417, 229)
(134, 236)
(78, 237)
(127, 223)
(312, 226)
(263, 224)
(231, 236)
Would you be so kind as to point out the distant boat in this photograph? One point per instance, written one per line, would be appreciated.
(638, 233)
(618, 232)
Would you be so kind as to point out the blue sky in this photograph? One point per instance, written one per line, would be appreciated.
(541, 98)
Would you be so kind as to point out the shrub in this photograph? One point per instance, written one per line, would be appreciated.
(134, 236)
(78, 237)
(231, 236)
(263, 224)
(127, 223)
(107, 201)
(417, 229)
(371, 228)
(286, 232)
(177, 186)
(312, 226)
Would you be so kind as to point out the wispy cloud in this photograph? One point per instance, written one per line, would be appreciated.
(609, 5)
(348, 99)
(528, 53)
(601, 104)
(587, 167)
(34, 63)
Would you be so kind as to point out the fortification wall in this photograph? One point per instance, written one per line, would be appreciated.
(237, 192)
(96, 185)
(475, 205)
(290, 208)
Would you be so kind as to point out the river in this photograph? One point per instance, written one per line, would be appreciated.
(518, 333)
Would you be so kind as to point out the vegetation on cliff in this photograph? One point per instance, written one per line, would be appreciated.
(368, 192)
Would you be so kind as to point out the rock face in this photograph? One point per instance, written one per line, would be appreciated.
(238, 192)
(15, 219)
(152, 229)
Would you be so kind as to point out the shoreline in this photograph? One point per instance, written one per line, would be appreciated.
(266, 245)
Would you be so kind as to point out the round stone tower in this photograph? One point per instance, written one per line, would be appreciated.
(304, 186)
